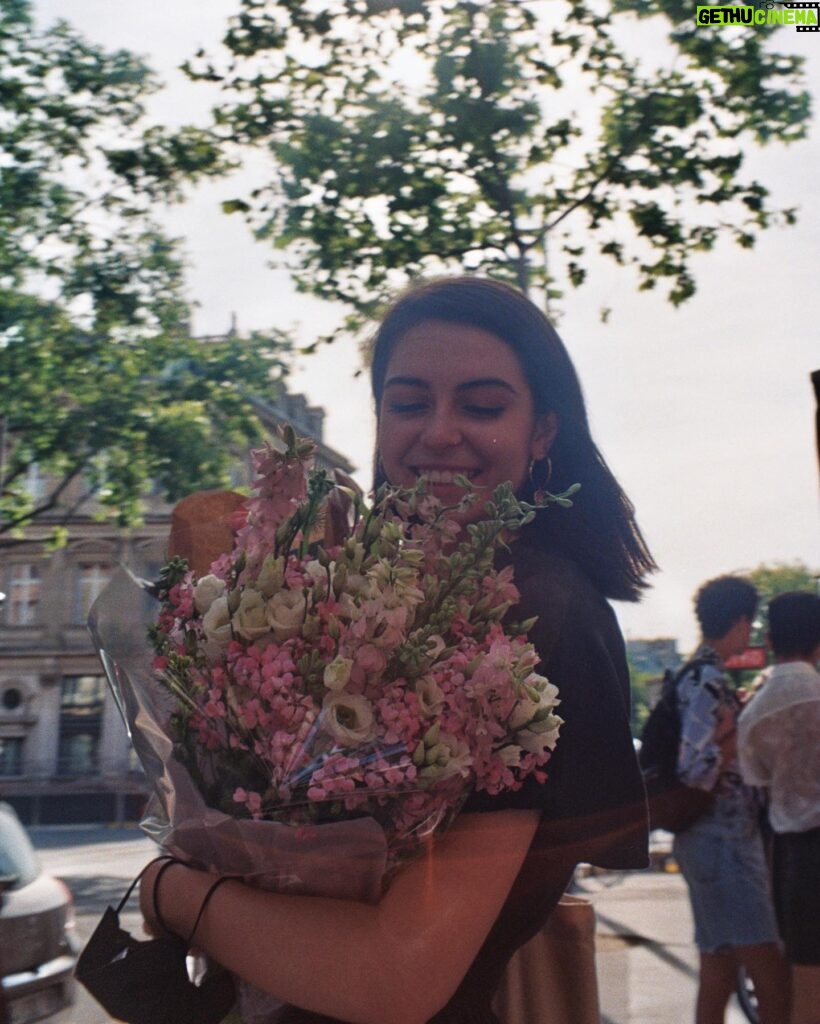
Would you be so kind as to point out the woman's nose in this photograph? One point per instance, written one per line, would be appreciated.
(441, 429)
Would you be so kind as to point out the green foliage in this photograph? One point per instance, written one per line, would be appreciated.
(407, 138)
(778, 578)
(640, 693)
(101, 385)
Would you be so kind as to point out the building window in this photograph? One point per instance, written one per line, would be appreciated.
(81, 714)
(35, 484)
(23, 598)
(11, 755)
(90, 582)
(11, 699)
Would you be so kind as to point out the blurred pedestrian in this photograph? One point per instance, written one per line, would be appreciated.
(779, 748)
(721, 856)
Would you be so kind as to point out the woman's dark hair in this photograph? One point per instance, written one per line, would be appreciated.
(599, 532)
(794, 624)
(722, 602)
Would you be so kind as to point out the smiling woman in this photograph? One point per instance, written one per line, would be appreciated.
(468, 374)
(473, 389)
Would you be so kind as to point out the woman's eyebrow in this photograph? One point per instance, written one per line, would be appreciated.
(413, 382)
(487, 382)
(469, 385)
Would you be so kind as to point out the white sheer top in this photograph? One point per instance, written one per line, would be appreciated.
(779, 745)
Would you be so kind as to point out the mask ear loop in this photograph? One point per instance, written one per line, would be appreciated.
(206, 899)
(169, 860)
(167, 857)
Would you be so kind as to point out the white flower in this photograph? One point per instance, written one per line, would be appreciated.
(316, 571)
(216, 623)
(285, 614)
(430, 696)
(527, 709)
(207, 590)
(511, 755)
(360, 586)
(347, 608)
(271, 576)
(250, 620)
(337, 673)
(348, 718)
(435, 645)
(541, 736)
(460, 760)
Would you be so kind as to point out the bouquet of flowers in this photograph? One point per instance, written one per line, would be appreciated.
(315, 684)
(313, 711)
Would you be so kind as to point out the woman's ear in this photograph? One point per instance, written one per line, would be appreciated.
(546, 430)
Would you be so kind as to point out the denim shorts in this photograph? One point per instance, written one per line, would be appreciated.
(728, 878)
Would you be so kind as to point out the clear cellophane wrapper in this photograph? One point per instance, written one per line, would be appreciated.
(344, 859)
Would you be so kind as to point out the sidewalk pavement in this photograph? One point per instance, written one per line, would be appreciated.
(647, 962)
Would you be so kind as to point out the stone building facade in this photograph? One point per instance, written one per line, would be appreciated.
(65, 756)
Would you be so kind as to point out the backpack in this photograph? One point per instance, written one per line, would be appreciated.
(673, 806)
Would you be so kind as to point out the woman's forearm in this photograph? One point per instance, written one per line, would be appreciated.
(396, 962)
(317, 953)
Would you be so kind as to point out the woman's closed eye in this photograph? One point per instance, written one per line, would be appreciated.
(407, 406)
(485, 412)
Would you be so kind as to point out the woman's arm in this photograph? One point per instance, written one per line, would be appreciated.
(397, 962)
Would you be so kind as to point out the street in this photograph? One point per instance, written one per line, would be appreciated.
(97, 864)
(646, 962)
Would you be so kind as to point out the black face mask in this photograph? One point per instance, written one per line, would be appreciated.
(147, 982)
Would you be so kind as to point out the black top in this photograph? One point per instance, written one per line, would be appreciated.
(593, 804)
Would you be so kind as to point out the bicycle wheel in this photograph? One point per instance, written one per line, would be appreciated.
(746, 996)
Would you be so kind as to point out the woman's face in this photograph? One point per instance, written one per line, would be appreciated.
(456, 401)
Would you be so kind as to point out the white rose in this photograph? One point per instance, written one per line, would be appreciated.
(337, 673)
(216, 623)
(348, 718)
(286, 613)
(207, 590)
(250, 620)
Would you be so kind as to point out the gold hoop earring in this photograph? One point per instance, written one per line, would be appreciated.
(540, 494)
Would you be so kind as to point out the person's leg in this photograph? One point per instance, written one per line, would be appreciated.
(718, 977)
(805, 995)
(767, 967)
(797, 898)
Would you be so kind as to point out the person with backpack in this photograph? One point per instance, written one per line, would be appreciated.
(721, 855)
(779, 748)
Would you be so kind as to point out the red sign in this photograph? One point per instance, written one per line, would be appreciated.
(752, 658)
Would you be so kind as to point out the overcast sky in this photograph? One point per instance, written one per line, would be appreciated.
(705, 413)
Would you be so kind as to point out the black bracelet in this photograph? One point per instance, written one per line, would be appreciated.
(155, 892)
